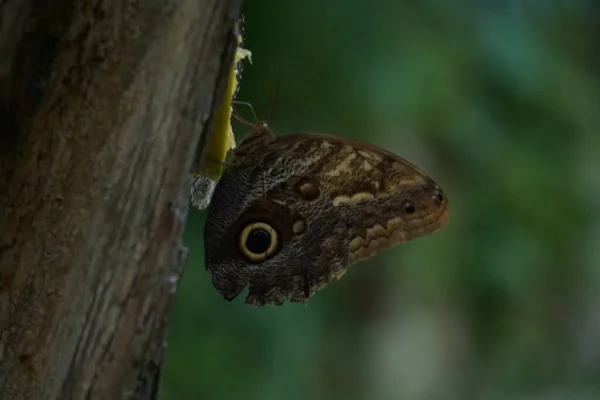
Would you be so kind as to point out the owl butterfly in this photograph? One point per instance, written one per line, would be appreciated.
(292, 212)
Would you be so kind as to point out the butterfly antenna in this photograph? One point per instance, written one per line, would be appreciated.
(274, 95)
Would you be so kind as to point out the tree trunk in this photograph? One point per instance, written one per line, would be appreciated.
(102, 107)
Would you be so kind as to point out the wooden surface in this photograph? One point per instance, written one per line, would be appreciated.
(102, 106)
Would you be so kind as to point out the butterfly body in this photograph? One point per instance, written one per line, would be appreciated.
(295, 211)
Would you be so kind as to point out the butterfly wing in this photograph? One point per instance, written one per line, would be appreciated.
(324, 202)
(385, 199)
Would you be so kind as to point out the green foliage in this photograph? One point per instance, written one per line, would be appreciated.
(500, 103)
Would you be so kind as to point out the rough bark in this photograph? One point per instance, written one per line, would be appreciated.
(102, 106)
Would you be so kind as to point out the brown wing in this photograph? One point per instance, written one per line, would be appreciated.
(386, 199)
(332, 202)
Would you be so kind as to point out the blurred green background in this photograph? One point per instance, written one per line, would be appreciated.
(499, 101)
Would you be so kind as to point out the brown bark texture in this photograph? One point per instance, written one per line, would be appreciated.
(102, 107)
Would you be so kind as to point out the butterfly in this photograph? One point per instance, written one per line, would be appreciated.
(293, 212)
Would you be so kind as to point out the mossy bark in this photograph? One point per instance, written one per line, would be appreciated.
(102, 107)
